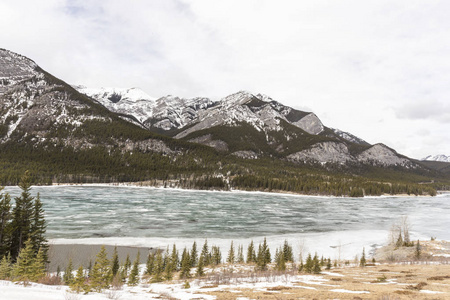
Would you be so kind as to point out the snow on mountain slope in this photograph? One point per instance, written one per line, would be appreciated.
(172, 112)
(439, 157)
(260, 111)
(131, 101)
(165, 113)
(349, 137)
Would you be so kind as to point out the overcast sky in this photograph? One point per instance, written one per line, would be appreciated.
(377, 69)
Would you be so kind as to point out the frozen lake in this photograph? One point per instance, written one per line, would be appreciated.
(157, 217)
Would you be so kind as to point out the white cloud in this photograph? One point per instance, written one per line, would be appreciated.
(378, 69)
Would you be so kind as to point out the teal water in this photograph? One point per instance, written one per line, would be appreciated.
(76, 212)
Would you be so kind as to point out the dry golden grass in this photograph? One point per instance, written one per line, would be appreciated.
(401, 282)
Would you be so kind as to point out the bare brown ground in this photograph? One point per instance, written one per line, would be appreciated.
(386, 281)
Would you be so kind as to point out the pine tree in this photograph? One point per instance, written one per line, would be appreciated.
(309, 265)
(316, 265)
(230, 258)
(200, 272)
(175, 261)
(328, 264)
(68, 273)
(38, 229)
(251, 255)
(263, 257)
(418, 251)
(240, 256)
(150, 264)
(22, 269)
(216, 256)
(22, 217)
(193, 255)
(5, 223)
(280, 260)
(205, 254)
(79, 283)
(115, 263)
(126, 268)
(133, 279)
(159, 268)
(5, 267)
(287, 252)
(38, 267)
(101, 272)
(185, 264)
(362, 262)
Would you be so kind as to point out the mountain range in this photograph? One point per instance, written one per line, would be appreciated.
(72, 133)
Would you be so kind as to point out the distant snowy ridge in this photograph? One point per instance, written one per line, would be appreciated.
(439, 157)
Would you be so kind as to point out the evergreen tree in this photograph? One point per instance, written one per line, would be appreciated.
(101, 272)
(328, 264)
(126, 268)
(418, 251)
(309, 264)
(263, 257)
(22, 269)
(280, 260)
(216, 256)
(38, 229)
(240, 256)
(5, 267)
(5, 224)
(200, 272)
(194, 255)
(68, 273)
(251, 255)
(133, 279)
(287, 252)
(79, 283)
(185, 264)
(362, 262)
(22, 216)
(175, 261)
(159, 268)
(231, 258)
(205, 254)
(150, 264)
(38, 267)
(316, 265)
(115, 263)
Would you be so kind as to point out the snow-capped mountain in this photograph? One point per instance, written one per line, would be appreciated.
(38, 109)
(166, 113)
(439, 157)
(124, 101)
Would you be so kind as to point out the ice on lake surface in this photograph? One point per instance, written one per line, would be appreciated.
(158, 217)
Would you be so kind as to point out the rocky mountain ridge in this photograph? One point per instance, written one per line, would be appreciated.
(124, 134)
(439, 157)
(189, 117)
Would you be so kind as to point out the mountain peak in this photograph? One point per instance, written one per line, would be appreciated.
(15, 66)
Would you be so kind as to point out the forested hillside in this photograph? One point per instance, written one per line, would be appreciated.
(63, 136)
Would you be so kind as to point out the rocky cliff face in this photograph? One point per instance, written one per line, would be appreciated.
(39, 109)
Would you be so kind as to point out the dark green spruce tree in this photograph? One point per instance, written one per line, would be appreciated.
(5, 224)
(22, 217)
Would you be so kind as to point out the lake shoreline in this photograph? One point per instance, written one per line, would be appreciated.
(145, 184)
